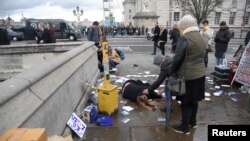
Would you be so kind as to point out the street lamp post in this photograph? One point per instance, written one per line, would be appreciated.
(78, 13)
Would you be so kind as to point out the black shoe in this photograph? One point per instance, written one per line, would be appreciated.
(163, 110)
(193, 125)
(179, 130)
(153, 53)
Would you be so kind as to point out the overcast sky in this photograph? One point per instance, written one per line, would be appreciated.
(60, 9)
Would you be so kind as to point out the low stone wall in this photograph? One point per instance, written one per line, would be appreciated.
(47, 95)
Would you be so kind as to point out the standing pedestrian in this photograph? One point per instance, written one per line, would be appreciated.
(95, 33)
(188, 62)
(29, 33)
(4, 39)
(45, 34)
(163, 39)
(156, 37)
(207, 33)
(174, 36)
(52, 32)
(221, 40)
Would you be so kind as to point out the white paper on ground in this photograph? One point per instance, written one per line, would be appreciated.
(163, 95)
(173, 97)
(144, 81)
(210, 80)
(227, 86)
(179, 102)
(207, 77)
(139, 73)
(207, 94)
(125, 120)
(231, 93)
(234, 99)
(113, 76)
(147, 72)
(217, 93)
(128, 108)
(123, 102)
(207, 99)
(217, 87)
(160, 119)
(125, 113)
(119, 81)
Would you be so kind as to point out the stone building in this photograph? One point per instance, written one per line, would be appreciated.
(170, 11)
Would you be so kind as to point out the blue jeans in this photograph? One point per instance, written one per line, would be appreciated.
(219, 61)
(169, 102)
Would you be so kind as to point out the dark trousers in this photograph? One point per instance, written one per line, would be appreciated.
(162, 47)
(155, 45)
(189, 112)
(206, 58)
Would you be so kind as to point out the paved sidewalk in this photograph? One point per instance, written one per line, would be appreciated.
(144, 124)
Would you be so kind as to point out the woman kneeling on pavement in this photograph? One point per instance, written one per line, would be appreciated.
(189, 62)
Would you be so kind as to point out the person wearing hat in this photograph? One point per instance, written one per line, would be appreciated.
(188, 62)
(221, 42)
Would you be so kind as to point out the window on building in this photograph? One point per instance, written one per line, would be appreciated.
(176, 2)
(217, 18)
(130, 23)
(129, 10)
(130, 17)
(176, 16)
(232, 17)
(234, 3)
(218, 1)
(246, 20)
(248, 2)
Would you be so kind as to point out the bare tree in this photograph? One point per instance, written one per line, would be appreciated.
(200, 9)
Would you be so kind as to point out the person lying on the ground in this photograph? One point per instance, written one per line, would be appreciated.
(164, 62)
(132, 90)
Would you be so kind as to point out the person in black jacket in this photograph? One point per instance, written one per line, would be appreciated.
(45, 34)
(174, 36)
(221, 42)
(163, 39)
(4, 39)
(29, 32)
(156, 37)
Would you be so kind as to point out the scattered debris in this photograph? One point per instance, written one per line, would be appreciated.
(162, 86)
(231, 93)
(163, 95)
(207, 77)
(234, 99)
(173, 97)
(147, 72)
(207, 94)
(227, 86)
(104, 120)
(217, 93)
(125, 120)
(217, 87)
(77, 125)
(128, 108)
(123, 102)
(125, 113)
(135, 65)
(207, 99)
(156, 91)
(161, 119)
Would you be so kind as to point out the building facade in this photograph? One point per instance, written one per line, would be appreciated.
(170, 11)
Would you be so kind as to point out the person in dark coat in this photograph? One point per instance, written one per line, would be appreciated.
(29, 32)
(247, 39)
(188, 62)
(156, 37)
(4, 39)
(221, 40)
(45, 34)
(163, 39)
(52, 32)
(174, 36)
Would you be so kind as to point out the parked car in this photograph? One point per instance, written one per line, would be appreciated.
(63, 29)
(15, 36)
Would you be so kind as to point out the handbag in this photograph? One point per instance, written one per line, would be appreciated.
(177, 85)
